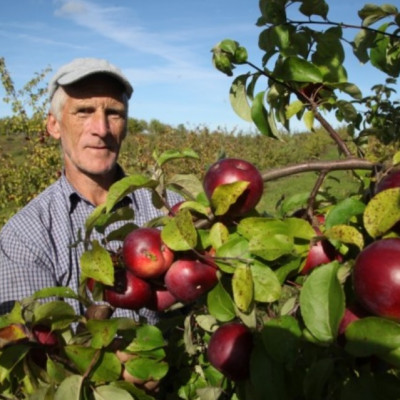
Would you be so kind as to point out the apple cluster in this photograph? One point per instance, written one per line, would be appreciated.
(152, 276)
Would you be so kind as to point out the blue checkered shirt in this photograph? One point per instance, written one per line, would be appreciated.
(35, 244)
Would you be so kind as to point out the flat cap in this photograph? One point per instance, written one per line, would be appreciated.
(83, 67)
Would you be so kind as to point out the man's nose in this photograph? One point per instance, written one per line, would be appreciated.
(101, 124)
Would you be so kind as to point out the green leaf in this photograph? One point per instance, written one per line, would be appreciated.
(189, 183)
(120, 233)
(105, 368)
(294, 108)
(349, 88)
(343, 211)
(322, 302)
(252, 226)
(346, 234)
(146, 368)
(219, 234)
(240, 56)
(314, 7)
(121, 214)
(238, 97)
(372, 336)
(308, 119)
(299, 70)
(267, 287)
(271, 247)
(382, 212)
(54, 311)
(70, 388)
(179, 233)
(372, 13)
(220, 304)
(226, 195)
(103, 332)
(147, 338)
(9, 357)
(125, 186)
(235, 249)
(97, 264)
(169, 155)
(299, 228)
(62, 291)
(92, 219)
(259, 115)
(242, 287)
(13, 317)
(108, 392)
(229, 46)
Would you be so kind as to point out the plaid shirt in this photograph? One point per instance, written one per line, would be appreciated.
(35, 244)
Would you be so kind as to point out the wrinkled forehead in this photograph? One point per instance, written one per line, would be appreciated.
(97, 85)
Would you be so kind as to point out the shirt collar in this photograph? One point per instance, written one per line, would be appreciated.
(75, 197)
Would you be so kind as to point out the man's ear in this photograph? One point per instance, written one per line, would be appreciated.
(53, 126)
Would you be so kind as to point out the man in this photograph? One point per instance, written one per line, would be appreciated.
(88, 114)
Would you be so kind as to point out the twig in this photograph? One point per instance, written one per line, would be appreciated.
(333, 165)
(314, 192)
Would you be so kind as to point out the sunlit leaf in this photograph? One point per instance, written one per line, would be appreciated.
(382, 212)
(322, 302)
(220, 304)
(97, 264)
(70, 388)
(125, 186)
(180, 233)
(238, 98)
(267, 287)
(106, 366)
(242, 287)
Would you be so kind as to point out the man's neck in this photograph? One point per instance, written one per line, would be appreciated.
(92, 187)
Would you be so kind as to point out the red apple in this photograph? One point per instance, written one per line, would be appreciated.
(161, 300)
(376, 278)
(128, 291)
(145, 254)
(321, 252)
(230, 170)
(188, 279)
(44, 335)
(389, 181)
(229, 350)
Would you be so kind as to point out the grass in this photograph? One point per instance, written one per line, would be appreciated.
(338, 184)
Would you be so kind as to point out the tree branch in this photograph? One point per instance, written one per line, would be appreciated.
(334, 165)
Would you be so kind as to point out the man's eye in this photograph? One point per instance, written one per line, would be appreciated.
(84, 110)
(116, 114)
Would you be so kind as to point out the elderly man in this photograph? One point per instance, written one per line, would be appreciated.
(88, 114)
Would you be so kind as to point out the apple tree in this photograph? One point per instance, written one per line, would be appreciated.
(302, 304)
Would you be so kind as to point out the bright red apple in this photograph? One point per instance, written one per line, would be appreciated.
(376, 278)
(161, 300)
(229, 350)
(321, 252)
(128, 291)
(145, 254)
(230, 170)
(188, 279)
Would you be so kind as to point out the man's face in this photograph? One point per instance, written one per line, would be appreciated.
(92, 125)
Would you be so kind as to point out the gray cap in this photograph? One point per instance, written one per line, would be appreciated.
(83, 67)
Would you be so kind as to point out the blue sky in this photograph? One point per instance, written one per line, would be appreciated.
(162, 46)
